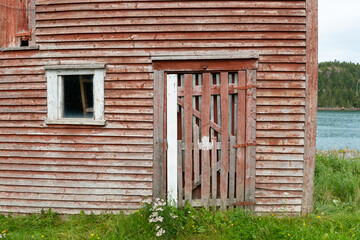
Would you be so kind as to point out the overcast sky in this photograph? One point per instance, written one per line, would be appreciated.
(339, 30)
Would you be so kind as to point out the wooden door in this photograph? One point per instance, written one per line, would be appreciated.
(206, 137)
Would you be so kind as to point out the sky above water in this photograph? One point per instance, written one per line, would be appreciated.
(339, 30)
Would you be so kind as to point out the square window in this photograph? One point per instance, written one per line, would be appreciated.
(75, 94)
(78, 96)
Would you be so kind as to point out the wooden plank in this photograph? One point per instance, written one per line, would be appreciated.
(72, 197)
(311, 104)
(280, 109)
(280, 134)
(280, 76)
(79, 176)
(280, 141)
(280, 172)
(240, 139)
(250, 138)
(280, 101)
(277, 194)
(290, 67)
(279, 149)
(158, 186)
(169, 5)
(280, 125)
(281, 93)
(175, 28)
(190, 43)
(277, 201)
(76, 147)
(281, 117)
(196, 155)
(279, 208)
(281, 84)
(100, 165)
(224, 98)
(126, 13)
(205, 140)
(77, 183)
(280, 186)
(85, 169)
(188, 109)
(279, 164)
(232, 164)
(180, 165)
(170, 20)
(280, 157)
(76, 190)
(214, 180)
(107, 37)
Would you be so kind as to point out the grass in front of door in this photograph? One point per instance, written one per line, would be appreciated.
(336, 216)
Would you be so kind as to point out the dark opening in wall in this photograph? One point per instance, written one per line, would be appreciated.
(24, 43)
(78, 96)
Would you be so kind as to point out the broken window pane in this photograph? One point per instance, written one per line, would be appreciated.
(78, 96)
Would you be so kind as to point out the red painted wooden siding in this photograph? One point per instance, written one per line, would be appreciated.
(110, 168)
(13, 21)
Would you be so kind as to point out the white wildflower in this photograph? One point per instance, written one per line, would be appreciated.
(160, 232)
(154, 214)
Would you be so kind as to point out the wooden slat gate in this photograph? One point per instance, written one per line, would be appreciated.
(212, 142)
(205, 130)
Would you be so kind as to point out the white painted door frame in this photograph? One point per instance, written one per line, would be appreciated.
(171, 133)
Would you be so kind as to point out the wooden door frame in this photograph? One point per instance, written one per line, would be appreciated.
(203, 63)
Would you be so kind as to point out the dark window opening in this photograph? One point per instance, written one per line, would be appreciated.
(24, 43)
(78, 96)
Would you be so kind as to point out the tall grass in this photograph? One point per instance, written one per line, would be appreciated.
(336, 216)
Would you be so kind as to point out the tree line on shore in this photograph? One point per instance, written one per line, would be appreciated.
(339, 85)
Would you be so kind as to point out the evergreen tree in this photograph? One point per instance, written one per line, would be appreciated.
(339, 84)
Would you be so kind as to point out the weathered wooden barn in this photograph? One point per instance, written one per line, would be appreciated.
(105, 103)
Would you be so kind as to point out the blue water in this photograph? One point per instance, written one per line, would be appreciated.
(338, 130)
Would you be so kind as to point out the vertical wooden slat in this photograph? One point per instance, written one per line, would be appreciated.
(250, 138)
(11, 22)
(31, 12)
(3, 24)
(188, 136)
(158, 175)
(22, 25)
(224, 95)
(205, 126)
(217, 107)
(180, 173)
(196, 141)
(240, 138)
(311, 104)
(232, 160)
(214, 171)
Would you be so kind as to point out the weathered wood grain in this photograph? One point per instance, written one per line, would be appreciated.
(311, 104)
(188, 163)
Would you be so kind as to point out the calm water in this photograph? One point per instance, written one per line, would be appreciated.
(338, 130)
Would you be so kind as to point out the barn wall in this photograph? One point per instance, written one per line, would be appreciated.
(110, 168)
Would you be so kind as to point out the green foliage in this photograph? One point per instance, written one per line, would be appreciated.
(338, 84)
(336, 216)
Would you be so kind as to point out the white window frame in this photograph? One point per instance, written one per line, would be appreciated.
(54, 77)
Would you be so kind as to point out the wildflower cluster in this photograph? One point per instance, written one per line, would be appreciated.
(3, 234)
(160, 215)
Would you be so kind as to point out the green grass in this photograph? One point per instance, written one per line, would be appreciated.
(336, 216)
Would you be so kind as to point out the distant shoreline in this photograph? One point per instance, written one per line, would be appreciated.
(337, 109)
